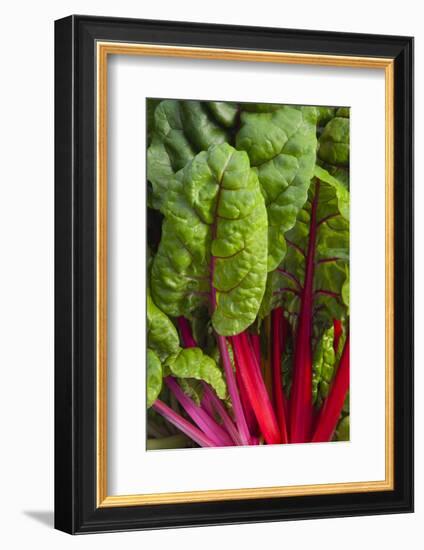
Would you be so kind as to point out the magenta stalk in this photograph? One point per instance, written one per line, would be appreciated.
(207, 424)
(182, 424)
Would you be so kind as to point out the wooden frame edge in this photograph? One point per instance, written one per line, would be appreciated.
(103, 49)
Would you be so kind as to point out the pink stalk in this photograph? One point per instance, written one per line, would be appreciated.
(188, 341)
(207, 424)
(232, 390)
(278, 341)
(182, 424)
(301, 392)
(215, 403)
(255, 387)
(207, 405)
(332, 407)
(185, 331)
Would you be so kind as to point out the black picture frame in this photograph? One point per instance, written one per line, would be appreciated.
(76, 510)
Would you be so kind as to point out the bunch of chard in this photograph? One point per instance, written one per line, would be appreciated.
(248, 274)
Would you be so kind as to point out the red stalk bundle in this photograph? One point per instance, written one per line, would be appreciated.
(182, 424)
(265, 419)
(205, 422)
(255, 387)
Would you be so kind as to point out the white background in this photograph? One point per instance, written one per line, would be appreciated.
(26, 299)
(131, 79)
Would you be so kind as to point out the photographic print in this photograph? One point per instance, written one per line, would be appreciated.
(247, 274)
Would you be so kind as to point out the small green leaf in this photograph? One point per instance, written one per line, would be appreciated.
(224, 112)
(325, 114)
(162, 336)
(193, 363)
(323, 366)
(343, 112)
(154, 377)
(193, 388)
(343, 429)
(334, 142)
(340, 189)
(346, 289)
(199, 127)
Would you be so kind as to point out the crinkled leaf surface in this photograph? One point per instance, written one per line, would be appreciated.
(331, 256)
(343, 112)
(162, 336)
(169, 149)
(154, 377)
(224, 112)
(261, 107)
(214, 241)
(281, 144)
(192, 363)
(325, 114)
(334, 142)
(151, 105)
(181, 129)
(193, 388)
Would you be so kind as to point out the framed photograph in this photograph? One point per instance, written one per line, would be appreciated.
(234, 274)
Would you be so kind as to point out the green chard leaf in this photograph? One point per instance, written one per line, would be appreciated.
(213, 249)
(181, 129)
(169, 150)
(324, 364)
(330, 253)
(154, 377)
(193, 388)
(281, 144)
(162, 335)
(224, 113)
(199, 127)
(343, 429)
(334, 142)
(325, 114)
(151, 105)
(343, 112)
(261, 107)
(192, 363)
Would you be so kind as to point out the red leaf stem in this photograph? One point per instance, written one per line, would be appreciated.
(338, 330)
(255, 387)
(186, 334)
(301, 392)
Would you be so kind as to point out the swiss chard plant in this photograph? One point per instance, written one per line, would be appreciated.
(248, 286)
